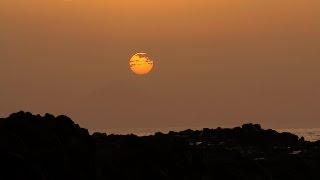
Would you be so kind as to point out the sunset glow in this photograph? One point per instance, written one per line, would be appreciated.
(216, 61)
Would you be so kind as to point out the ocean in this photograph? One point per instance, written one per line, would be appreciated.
(312, 134)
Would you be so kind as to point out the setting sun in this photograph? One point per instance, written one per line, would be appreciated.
(141, 64)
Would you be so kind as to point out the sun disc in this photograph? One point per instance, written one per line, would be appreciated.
(140, 64)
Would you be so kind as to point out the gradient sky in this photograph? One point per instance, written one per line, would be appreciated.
(217, 62)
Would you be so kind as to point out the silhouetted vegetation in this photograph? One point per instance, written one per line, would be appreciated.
(55, 148)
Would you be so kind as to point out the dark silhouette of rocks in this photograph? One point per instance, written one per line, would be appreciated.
(55, 148)
(45, 147)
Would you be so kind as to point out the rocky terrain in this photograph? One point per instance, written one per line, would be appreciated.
(55, 148)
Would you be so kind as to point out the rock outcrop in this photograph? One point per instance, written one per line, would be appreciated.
(55, 148)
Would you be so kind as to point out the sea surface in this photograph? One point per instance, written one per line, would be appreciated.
(312, 134)
(309, 134)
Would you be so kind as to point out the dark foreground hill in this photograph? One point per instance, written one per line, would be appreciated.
(55, 148)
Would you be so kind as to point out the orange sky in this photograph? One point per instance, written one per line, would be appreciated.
(217, 62)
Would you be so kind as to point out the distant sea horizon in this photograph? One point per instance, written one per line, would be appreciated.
(310, 134)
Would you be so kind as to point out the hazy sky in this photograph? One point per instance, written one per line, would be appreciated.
(217, 62)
